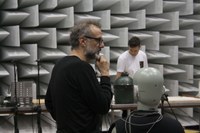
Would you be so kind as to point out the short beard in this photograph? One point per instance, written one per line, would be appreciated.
(90, 56)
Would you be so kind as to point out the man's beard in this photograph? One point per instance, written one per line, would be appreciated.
(90, 55)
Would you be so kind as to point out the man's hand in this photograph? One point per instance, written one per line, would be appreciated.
(103, 66)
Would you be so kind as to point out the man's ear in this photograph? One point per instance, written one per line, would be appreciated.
(82, 42)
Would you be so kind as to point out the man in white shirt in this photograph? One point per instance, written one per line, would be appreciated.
(131, 60)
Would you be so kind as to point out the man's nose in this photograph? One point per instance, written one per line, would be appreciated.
(101, 44)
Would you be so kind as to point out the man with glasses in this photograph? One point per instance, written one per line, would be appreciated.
(75, 98)
(99, 40)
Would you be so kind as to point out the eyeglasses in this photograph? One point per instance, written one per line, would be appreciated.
(99, 40)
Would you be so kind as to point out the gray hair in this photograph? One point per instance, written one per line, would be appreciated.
(81, 28)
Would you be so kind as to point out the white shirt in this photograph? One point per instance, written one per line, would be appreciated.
(130, 64)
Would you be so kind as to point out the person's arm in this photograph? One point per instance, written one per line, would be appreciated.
(118, 75)
(120, 67)
(97, 95)
(48, 103)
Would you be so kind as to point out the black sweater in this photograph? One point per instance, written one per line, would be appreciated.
(75, 98)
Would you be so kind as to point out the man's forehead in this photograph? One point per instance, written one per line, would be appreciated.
(135, 48)
(96, 30)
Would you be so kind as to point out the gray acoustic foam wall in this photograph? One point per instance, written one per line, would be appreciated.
(39, 29)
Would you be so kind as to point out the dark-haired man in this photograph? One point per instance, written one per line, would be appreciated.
(131, 60)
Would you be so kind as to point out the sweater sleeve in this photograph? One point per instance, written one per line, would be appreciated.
(97, 95)
(49, 99)
(49, 104)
